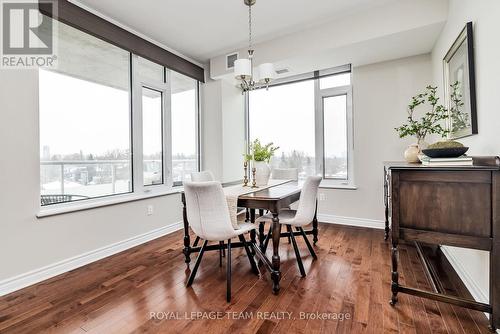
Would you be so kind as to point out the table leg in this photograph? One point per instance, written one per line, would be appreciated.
(187, 241)
(276, 274)
(394, 274)
(251, 218)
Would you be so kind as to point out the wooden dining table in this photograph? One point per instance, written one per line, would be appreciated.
(272, 199)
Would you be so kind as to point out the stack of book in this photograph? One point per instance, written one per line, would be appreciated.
(459, 161)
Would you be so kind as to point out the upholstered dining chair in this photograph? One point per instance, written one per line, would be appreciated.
(203, 176)
(299, 218)
(208, 215)
(285, 174)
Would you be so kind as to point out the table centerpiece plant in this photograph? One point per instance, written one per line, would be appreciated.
(261, 155)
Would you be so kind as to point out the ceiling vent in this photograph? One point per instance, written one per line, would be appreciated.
(230, 59)
(282, 71)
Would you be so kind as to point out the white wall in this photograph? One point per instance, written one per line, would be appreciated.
(474, 265)
(28, 243)
(381, 93)
(233, 132)
(211, 120)
(223, 135)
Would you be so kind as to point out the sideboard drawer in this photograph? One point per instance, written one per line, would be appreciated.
(452, 202)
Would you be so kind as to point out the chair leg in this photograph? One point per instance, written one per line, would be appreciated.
(223, 250)
(196, 241)
(297, 253)
(221, 244)
(197, 264)
(249, 254)
(311, 249)
(228, 274)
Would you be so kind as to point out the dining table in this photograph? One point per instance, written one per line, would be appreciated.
(270, 199)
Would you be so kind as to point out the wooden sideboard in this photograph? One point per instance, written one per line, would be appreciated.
(454, 206)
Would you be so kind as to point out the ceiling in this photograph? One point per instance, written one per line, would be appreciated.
(204, 29)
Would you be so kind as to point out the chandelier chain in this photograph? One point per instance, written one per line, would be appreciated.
(250, 27)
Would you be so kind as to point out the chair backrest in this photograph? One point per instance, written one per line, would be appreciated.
(207, 210)
(307, 201)
(285, 174)
(202, 176)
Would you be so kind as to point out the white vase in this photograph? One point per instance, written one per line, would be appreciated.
(411, 153)
(262, 173)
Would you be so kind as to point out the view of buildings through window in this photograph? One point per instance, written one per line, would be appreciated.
(86, 122)
(286, 115)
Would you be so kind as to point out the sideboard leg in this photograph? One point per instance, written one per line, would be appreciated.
(394, 274)
(386, 203)
(386, 230)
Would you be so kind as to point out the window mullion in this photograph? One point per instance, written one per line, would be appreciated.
(167, 130)
(350, 137)
(137, 136)
(319, 128)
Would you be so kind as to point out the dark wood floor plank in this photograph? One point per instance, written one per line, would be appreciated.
(351, 275)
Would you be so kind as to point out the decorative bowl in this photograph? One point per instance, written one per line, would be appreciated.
(451, 152)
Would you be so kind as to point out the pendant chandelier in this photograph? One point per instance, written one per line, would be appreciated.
(244, 72)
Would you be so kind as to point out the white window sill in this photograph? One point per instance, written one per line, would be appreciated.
(58, 209)
(326, 184)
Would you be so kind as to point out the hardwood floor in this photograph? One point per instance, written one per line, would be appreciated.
(135, 291)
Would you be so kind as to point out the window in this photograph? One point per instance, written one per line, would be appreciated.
(85, 137)
(335, 133)
(152, 132)
(284, 115)
(101, 104)
(310, 119)
(336, 80)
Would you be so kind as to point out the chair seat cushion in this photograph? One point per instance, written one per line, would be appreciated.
(245, 227)
(286, 217)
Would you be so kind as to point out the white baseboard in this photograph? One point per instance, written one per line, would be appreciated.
(476, 291)
(35, 276)
(351, 221)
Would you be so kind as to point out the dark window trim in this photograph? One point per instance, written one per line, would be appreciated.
(85, 21)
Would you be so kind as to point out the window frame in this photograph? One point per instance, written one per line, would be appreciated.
(319, 95)
(138, 83)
